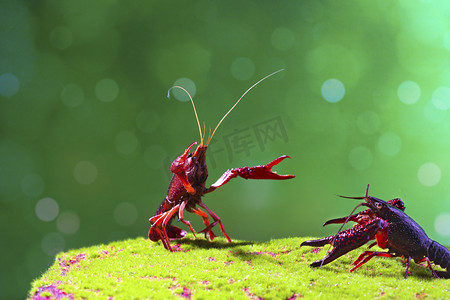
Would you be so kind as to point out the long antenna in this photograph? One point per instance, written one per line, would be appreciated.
(193, 105)
(214, 131)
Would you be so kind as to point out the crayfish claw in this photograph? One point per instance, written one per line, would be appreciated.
(264, 171)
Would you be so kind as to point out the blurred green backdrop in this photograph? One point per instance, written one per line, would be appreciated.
(87, 133)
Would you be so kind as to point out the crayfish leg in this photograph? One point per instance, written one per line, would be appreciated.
(216, 220)
(182, 220)
(431, 268)
(166, 221)
(366, 256)
(205, 220)
(155, 234)
(408, 262)
(160, 227)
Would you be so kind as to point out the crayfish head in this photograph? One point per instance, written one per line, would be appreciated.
(190, 169)
(381, 208)
(196, 170)
(378, 206)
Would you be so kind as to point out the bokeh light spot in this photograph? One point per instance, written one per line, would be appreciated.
(125, 214)
(85, 172)
(408, 92)
(72, 95)
(68, 222)
(126, 142)
(9, 85)
(32, 185)
(242, 68)
(360, 158)
(188, 85)
(441, 98)
(389, 143)
(47, 209)
(442, 224)
(107, 90)
(282, 39)
(61, 37)
(368, 122)
(52, 243)
(333, 90)
(429, 174)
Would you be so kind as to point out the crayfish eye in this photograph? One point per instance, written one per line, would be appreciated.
(378, 205)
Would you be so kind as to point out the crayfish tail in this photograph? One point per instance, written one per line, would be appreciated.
(153, 235)
(440, 256)
(174, 232)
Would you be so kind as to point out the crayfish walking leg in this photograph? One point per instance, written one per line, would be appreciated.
(216, 220)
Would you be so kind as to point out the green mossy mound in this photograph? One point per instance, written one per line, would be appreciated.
(199, 269)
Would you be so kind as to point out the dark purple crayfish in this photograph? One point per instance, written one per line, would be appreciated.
(392, 229)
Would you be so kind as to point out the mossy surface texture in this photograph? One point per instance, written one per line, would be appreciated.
(199, 269)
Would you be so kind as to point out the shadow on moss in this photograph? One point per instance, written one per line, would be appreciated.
(207, 244)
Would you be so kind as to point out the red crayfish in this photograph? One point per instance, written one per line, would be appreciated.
(392, 229)
(187, 187)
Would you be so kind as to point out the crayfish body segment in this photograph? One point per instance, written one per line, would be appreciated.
(392, 229)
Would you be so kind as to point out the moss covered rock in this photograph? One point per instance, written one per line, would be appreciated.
(279, 269)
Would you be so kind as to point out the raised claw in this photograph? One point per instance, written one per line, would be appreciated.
(256, 172)
(264, 172)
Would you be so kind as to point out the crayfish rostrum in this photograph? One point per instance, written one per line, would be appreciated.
(188, 186)
(387, 223)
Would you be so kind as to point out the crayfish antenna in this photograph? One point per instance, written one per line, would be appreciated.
(364, 197)
(248, 90)
(347, 197)
(195, 111)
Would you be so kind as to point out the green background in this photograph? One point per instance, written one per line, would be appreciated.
(87, 133)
